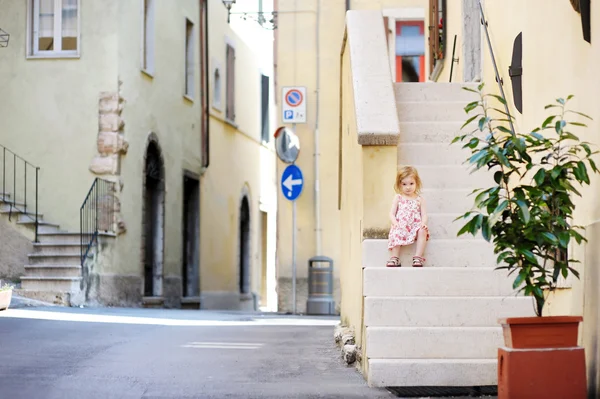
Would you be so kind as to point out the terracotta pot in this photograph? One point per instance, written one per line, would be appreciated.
(5, 297)
(541, 359)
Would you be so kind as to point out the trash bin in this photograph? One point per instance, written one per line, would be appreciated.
(320, 286)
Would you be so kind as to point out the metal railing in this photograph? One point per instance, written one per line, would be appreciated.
(96, 215)
(498, 78)
(15, 186)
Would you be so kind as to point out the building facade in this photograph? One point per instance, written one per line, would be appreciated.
(145, 97)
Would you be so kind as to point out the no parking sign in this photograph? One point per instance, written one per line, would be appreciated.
(293, 104)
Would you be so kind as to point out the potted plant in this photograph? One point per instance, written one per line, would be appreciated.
(5, 295)
(526, 212)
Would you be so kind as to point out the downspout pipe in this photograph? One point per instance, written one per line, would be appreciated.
(206, 111)
(347, 5)
(317, 154)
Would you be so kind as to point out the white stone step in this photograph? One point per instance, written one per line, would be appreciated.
(453, 177)
(59, 259)
(434, 342)
(430, 132)
(432, 372)
(438, 154)
(60, 238)
(444, 226)
(436, 281)
(443, 311)
(58, 284)
(451, 111)
(439, 253)
(448, 200)
(43, 227)
(435, 92)
(57, 271)
(56, 249)
(53, 297)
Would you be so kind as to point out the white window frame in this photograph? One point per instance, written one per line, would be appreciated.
(33, 50)
(189, 64)
(148, 43)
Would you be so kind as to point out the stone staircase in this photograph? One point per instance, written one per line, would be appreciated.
(54, 270)
(436, 326)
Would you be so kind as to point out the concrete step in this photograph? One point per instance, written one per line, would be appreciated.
(58, 284)
(435, 92)
(453, 177)
(56, 249)
(68, 238)
(443, 226)
(448, 200)
(438, 154)
(388, 311)
(434, 342)
(432, 372)
(439, 253)
(61, 259)
(53, 297)
(450, 111)
(430, 132)
(436, 281)
(43, 227)
(57, 271)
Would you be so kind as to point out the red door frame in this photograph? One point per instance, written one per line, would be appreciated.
(421, 25)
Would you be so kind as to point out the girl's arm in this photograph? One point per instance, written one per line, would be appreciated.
(393, 210)
(423, 212)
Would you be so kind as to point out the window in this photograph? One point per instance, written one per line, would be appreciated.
(189, 58)
(54, 27)
(230, 84)
(217, 88)
(148, 37)
(264, 108)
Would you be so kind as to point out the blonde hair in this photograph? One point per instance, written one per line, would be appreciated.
(403, 173)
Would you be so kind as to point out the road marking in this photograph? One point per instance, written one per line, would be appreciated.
(222, 345)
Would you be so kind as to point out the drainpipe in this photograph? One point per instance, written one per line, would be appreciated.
(347, 5)
(317, 155)
(206, 117)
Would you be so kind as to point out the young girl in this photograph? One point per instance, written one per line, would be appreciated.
(409, 217)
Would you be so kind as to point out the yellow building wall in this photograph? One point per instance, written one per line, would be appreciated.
(296, 65)
(239, 164)
(557, 62)
(49, 107)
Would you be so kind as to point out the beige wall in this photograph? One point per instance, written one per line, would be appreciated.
(557, 62)
(49, 107)
(240, 165)
(296, 65)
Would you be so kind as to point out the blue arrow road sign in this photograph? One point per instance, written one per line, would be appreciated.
(292, 182)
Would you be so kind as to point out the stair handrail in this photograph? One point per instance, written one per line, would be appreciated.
(96, 215)
(498, 78)
(10, 195)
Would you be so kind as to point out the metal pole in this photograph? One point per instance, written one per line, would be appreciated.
(294, 247)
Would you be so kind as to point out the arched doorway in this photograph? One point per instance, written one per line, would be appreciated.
(244, 253)
(153, 220)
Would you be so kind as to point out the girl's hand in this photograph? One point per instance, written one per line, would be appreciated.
(424, 226)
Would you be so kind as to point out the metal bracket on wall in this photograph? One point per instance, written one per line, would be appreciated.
(4, 37)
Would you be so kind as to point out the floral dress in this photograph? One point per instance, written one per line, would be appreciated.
(408, 215)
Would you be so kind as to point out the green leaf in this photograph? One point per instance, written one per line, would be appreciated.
(539, 177)
(482, 122)
(579, 113)
(518, 281)
(469, 89)
(486, 230)
(561, 101)
(565, 272)
(481, 86)
(524, 210)
(537, 135)
(471, 106)
(593, 165)
(471, 119)
(578, 124)
(549, 237)
(548, 120)
(583, 172)
(570, 97)
(503, 129)
(473, 143)
(498, 177)
(497, 97)
(503, 256)
(559, 125)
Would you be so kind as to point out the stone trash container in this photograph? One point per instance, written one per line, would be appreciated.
(320, 286)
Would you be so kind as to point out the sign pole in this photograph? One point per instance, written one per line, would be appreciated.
(294, 246)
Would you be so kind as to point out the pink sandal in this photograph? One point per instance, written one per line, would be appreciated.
(393, 262)
(418, 261)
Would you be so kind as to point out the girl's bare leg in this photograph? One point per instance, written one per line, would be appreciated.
(421, 242)
(395, 251)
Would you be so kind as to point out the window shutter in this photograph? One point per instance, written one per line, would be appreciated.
(265, 108)
(584, 6)
(515, 71)
(230, 84)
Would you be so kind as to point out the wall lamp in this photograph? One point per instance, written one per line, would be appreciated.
(228, 4)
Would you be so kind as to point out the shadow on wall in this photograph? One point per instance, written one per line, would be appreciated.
(14, 248)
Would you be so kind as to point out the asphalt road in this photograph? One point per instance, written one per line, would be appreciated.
(63, 353)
